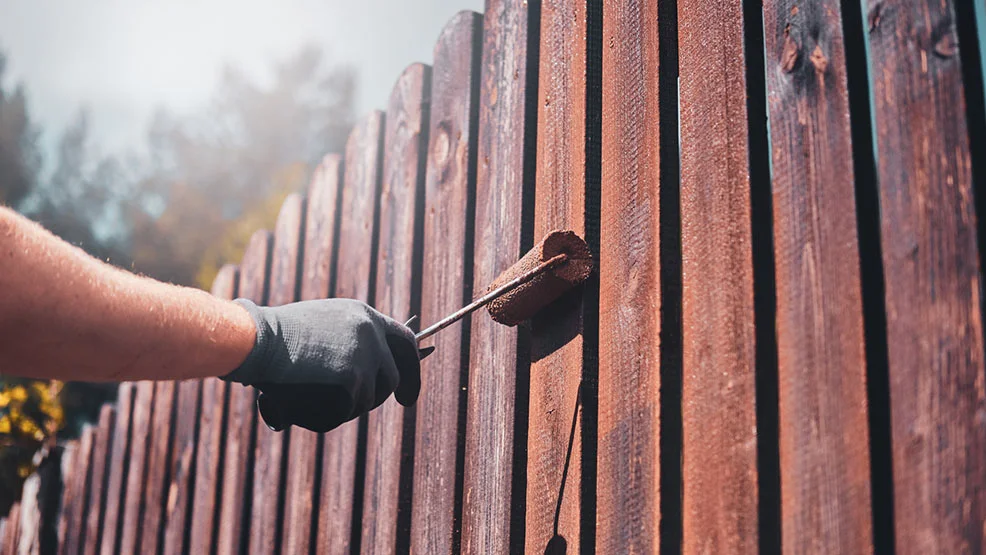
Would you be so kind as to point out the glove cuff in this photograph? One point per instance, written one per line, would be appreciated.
(250, 371)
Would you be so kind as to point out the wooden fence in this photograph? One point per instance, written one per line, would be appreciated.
(782, 348)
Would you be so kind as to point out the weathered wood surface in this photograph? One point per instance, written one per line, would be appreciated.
(178, 496)
(397, 270)
(117, 471)
(68, 491)
(933, 279)
(157, 466)
(824, 436)
(10, 531)
(268, 490)
(566, 192)
(449, 216)
(628, 512)
(141, 440)
(321, 226)
(237, 471)
(211, 440)
(340, 496)
(718, 393)
(496, 417)
(101, 451)
(76, 499)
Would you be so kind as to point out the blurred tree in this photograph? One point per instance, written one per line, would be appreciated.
(19, 155)
(30, 416)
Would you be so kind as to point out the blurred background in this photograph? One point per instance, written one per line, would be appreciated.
(157, 135)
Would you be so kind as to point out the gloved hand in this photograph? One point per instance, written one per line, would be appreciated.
(321, 363)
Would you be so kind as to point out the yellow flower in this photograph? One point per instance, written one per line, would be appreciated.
(18, 393)
(4, 424)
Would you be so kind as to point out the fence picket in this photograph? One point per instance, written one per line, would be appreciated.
(341, 489)
(141, 439)
(157, 467)
(117, 471)
(210, 443)
(101, 451)
(237, 472)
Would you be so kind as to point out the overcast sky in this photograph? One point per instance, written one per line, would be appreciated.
(124, 58)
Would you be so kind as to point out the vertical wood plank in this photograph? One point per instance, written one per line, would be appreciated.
(338, 494)
(234, 512)
(270, 445)
(182, 464)
(117, 471)
(157, 467)
(932, 277)
(450, 190)
(316, 280)
(101, 452)
(66, 505)
(824, 436)
(75, 521)
(29, 542)
(141, 438)
(565, 197)
(628, 513)
(493, 504)
(385, 499)
(718, 389)
(10, 531)
(212, 433)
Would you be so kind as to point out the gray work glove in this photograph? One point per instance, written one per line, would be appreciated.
(321, 363)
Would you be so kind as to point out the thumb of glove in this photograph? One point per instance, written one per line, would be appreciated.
(405, 353)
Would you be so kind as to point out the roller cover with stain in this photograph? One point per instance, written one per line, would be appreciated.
(526, 300)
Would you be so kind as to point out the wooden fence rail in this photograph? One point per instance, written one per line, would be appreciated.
(781, 350)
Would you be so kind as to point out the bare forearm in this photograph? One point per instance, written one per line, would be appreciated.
(68, 316)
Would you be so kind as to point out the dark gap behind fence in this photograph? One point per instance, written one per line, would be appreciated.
(522, 387)
(871, 276)
(590, 299)
(764, 292)
(467, 285)
(671, 280)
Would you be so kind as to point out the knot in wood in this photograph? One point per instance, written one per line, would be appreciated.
(442, 145)
(819, 60)
(947, 45)
(791, 52)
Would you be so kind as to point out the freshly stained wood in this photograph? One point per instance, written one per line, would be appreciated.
(157, 467)
(116, 471)
(628, 509)
(450, 189)
(824, 437)
(182, 465)
(270, 445)
(76, 500)
(933, 278)
(101, 451)
(396, 267)
(320, 235)
(557, 423)
(718, 393)
(141, 440)
(354, 273)
(210, 439)
(492, 520)
(237, 470)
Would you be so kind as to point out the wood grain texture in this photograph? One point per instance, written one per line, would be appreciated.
(395, 272)
(101, 452)
(117, 471)
(157, 467)
(67, 502)
(556, 415)
(450, 190)
(354, 273)
(10, 531)
(178, 496)
(316, 280)
(719, 448)
(270, 445)
(210, 442)
(237, 471)
(505, 154)
(628, 510)
(932, 277)
(824, 435)
(76, 501)
(141, 439)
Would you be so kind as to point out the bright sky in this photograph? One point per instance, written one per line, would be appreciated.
(124, 58)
